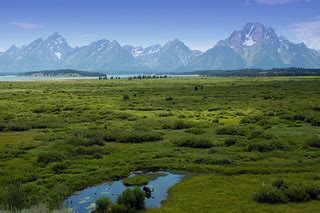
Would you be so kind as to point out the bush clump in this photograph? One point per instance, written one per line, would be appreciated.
(138, 136)
(231, 130)
(194, 142)
(281, 192)
(251, 119)
(213, 161)
(297, 194)
(195, 131)
(270, 195)
(313, 142)
(132, 199)
(177, 124)
(230, 142)
(50, 157)
(266, 146)
(94, 151)
(103, 205)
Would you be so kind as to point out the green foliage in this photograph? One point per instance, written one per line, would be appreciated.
(230, 142)
(297, 193)
(313, 143)
(136, 181)
(94, 151)
(195, 131)
(213, 161)
(270, 195)
(132, 199)
(169, 98)
(231, 130)
(85, 121)
(194, 142)
(313, 191)
(282, 191)
(18, 197)
(266, 146)
(103, 205)
(50, 157)
(177, 124)
(59, 168)
(136, 136)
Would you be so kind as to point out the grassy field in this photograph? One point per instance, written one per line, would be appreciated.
(232, 135)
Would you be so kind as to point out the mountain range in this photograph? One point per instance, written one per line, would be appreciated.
(254, 46)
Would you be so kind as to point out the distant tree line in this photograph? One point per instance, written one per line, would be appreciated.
(63, 72)
(259, 72)
(139, 77)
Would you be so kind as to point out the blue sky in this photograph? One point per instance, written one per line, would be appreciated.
(199, 23)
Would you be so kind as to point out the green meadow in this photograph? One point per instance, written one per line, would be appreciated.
(245, 144)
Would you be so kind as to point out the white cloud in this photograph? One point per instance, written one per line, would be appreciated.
(274, 2)
(24, 25)
(308, 32)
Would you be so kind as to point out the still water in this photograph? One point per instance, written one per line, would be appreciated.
(84, 201)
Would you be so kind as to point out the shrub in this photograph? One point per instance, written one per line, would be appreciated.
(18, 197)
(315, 121)
(117, 208)
(260, 134)
(281, 192)
(231, 130)
(213, 161)
(280, 184)
(138, 136)
(251, 119)
(95, 151)
(59, 168)
(165, 114)
(313, 142)
(103, 205)
(125, 97)
(266, 146)
(270, 195)
(180, 124)
(297, 194)
(230, 142)
(87, 138)
(50, 157)
(195, 131)
(2, 127)
(194, 142)
(299, 117)
(313, 192)
(18, 126)
(27, 125)
(177, 124)
(132, 199)
(15, 197)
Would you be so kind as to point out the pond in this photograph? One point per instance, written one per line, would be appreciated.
(84, 201)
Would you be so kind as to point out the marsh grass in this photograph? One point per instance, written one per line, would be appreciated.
(60, 137)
